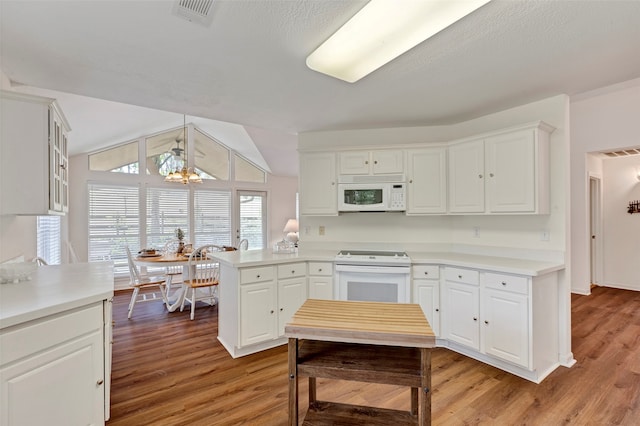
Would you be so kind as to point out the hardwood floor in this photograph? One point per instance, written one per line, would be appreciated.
(168, 370)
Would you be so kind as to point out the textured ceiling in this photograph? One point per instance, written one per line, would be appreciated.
(248, 66)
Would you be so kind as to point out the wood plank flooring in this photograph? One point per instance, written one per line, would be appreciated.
(168, 370)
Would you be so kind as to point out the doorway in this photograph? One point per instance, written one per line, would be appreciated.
(595, 228)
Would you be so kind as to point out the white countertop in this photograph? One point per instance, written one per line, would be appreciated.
(241, 259)
(53, 289)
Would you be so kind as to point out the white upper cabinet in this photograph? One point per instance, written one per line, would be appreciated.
(318, 189)
(427, 181)
(34, 133)
(505, 173)
(466, 177)
(371, 162)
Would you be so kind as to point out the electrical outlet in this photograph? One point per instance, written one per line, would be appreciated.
(321, 230)
(476, 232)
(544, 235)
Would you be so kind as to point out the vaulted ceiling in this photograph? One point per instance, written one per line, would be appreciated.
(245, 72)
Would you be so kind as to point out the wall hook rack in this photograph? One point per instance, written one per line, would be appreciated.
(634, 207)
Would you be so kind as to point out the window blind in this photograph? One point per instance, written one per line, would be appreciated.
(253, 218)
(167, 209)
(114, 223)
(48, 239)
(212, 217)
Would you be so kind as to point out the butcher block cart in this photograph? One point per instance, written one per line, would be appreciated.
(374, 342)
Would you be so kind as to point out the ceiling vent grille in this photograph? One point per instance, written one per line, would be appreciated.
(198, 11)
(623, 153)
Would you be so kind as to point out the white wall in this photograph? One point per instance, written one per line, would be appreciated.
(621, 255)
(603, 120)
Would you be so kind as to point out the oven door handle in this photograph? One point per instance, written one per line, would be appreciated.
(369, 269)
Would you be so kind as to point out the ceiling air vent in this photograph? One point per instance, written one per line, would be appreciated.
(623, 153)
(198, 11)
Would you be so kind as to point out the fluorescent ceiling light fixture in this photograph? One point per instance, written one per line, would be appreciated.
(382, 31)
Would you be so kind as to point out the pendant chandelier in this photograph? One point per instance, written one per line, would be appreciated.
(186, 174)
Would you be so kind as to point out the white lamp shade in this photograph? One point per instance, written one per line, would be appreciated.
(291, 226)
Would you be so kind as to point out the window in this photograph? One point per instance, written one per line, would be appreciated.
(253, 218)
(212, 217)
(167, 210)
(211, 158)
(121, 159)
(114, 223)
(165, 152)
(247, 172)
(48, 239)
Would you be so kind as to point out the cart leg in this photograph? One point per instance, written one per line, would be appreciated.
(293, 382)
(312, 390)
(424, 396)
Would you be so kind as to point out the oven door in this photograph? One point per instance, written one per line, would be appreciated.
(371, 283)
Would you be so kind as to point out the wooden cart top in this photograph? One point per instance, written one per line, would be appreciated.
(376, 323)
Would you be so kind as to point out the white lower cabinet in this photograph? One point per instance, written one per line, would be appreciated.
(258, 312)
(56, 370)
(268, 304)
(321, 280)
(426, 293)
(292, 291)
(510, 321)
(462, 307)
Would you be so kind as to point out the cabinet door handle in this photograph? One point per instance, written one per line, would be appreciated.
(366, 162)
(375, 162)
(475, 319)
(320, 270)
(272, 311)
(257, 276)
(99, 382)
(486, 322)
(480, 176)
(410, 180)
(293, 271)
(281, 309)
(333, 183)
(490, 174)
(437, 310)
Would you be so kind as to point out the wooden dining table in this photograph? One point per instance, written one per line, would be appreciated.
(165, 260)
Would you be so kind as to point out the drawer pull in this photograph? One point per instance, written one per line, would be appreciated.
(437, 310)
(460, 276)
(257, 276)
(293, 271)
(504, 283)
(426, 273)
(320, 270)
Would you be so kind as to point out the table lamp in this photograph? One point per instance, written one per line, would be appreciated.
(291, 231)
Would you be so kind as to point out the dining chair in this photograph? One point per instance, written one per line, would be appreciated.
(203, 275)
(39, 261)
(140, 281)
(243, 244)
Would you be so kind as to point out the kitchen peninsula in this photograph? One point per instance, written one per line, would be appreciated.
(56, 329)
(499, 310)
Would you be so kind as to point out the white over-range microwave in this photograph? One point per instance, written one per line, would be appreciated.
(380, 193)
